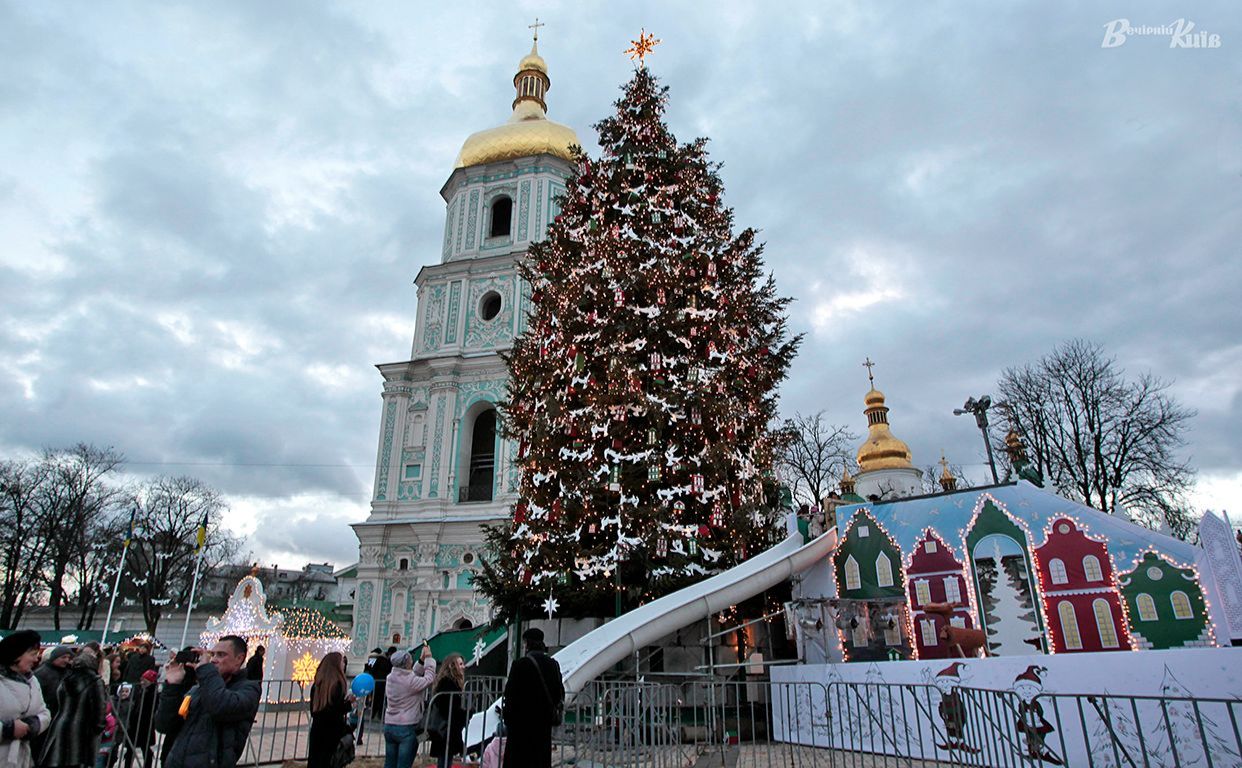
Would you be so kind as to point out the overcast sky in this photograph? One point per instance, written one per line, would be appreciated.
(211, 214)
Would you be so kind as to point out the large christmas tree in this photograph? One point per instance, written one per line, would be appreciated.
(641, 393)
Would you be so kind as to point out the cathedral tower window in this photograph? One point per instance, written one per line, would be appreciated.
(501, 217)
(489, 305)
(403, 564)
(482, 466)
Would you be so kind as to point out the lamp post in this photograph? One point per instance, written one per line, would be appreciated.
(980, 408)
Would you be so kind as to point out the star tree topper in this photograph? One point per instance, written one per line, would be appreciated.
(644, 45)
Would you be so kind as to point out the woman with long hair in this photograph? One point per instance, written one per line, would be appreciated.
(330, 702)
(447, 717)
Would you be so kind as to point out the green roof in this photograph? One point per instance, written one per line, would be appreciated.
(463, 640)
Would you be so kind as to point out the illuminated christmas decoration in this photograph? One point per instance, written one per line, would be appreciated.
(304, 669)
(1080, 595)
(643, 386)
(288, 637)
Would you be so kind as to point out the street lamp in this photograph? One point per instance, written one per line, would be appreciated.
(980, 409)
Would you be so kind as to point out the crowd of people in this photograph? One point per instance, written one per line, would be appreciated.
(88, 707)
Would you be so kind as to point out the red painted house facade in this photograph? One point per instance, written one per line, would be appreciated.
(1080, 596)
(934, 575)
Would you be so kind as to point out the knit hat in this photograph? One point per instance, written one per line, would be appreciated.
(402, 660)
(1032, 674)
(58, 651)
(150, 676)
(14, 645)
(951, 671)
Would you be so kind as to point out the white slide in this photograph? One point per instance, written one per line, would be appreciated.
(597, 651)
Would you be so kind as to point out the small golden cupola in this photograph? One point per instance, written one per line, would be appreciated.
(528, 131)
(881, 450)
(947, 481)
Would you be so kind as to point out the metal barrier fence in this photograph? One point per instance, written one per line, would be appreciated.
(702, 723)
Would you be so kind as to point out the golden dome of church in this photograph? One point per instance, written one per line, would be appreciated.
(528, 131)
(881, 450)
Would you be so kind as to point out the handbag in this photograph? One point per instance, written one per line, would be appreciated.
(557, 707)
(435, 722)
(344, 754)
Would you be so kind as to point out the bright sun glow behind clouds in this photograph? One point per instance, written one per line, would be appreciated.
(875, 274)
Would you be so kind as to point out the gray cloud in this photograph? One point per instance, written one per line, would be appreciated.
(213, 215)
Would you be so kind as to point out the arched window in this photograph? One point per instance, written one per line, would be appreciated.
(502, 217)
(403, 564)
(922, 592)
(1181, 605)
(927, 628)
(883, 571)
(952, 590)
(482, 457)
(1091, 568)
(1056, 569)
(463, 624)
(1069, 626)
(1146, 607)
(1104, 623)
(852, 580)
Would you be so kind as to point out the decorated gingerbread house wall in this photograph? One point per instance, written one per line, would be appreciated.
(1037, 573)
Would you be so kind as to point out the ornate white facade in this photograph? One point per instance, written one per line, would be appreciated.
(442, 470)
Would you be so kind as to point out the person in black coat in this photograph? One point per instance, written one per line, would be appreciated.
(73, 738)
(254, 667)
(534, 694)
(330, 704)
(447, 718)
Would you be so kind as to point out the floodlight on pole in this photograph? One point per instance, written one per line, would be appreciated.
(979, 407)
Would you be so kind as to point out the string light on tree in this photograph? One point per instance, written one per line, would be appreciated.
(642, 388)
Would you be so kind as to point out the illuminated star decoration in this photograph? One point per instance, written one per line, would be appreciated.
(478, 651)
(304, 669)
(644, 45)
(550, 605)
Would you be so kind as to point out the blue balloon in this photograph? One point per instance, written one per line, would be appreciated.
(363, 684)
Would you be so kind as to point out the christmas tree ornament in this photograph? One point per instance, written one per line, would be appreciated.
(653, 472)
(550, 605)
(614, 478)
(696, 483)
(661, 549)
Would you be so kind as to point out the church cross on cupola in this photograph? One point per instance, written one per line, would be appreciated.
(531, 81)
(870, 373)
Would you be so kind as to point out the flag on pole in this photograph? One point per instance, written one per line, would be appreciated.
(129, 535)
(202, 534)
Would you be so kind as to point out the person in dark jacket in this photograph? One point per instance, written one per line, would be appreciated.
(137, 663)
(534, 693)
(178, 692)
(139, 733)
(330, 704)
(50, 674)
(379, 665)
(218, 711)
(254, 667)
(73, 738)
(447, 716)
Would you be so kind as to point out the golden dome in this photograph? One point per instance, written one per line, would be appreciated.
(528, 131)
(881, 450)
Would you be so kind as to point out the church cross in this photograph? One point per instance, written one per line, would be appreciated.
(869, 365)
(536, 27)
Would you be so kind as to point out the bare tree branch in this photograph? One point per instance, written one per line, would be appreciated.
(813, 454)
(1101, 438)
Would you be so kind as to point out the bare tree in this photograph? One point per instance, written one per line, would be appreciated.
(75, 498)
(162, 556)
(1096, 436)
(813, 455)
(23, 548)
